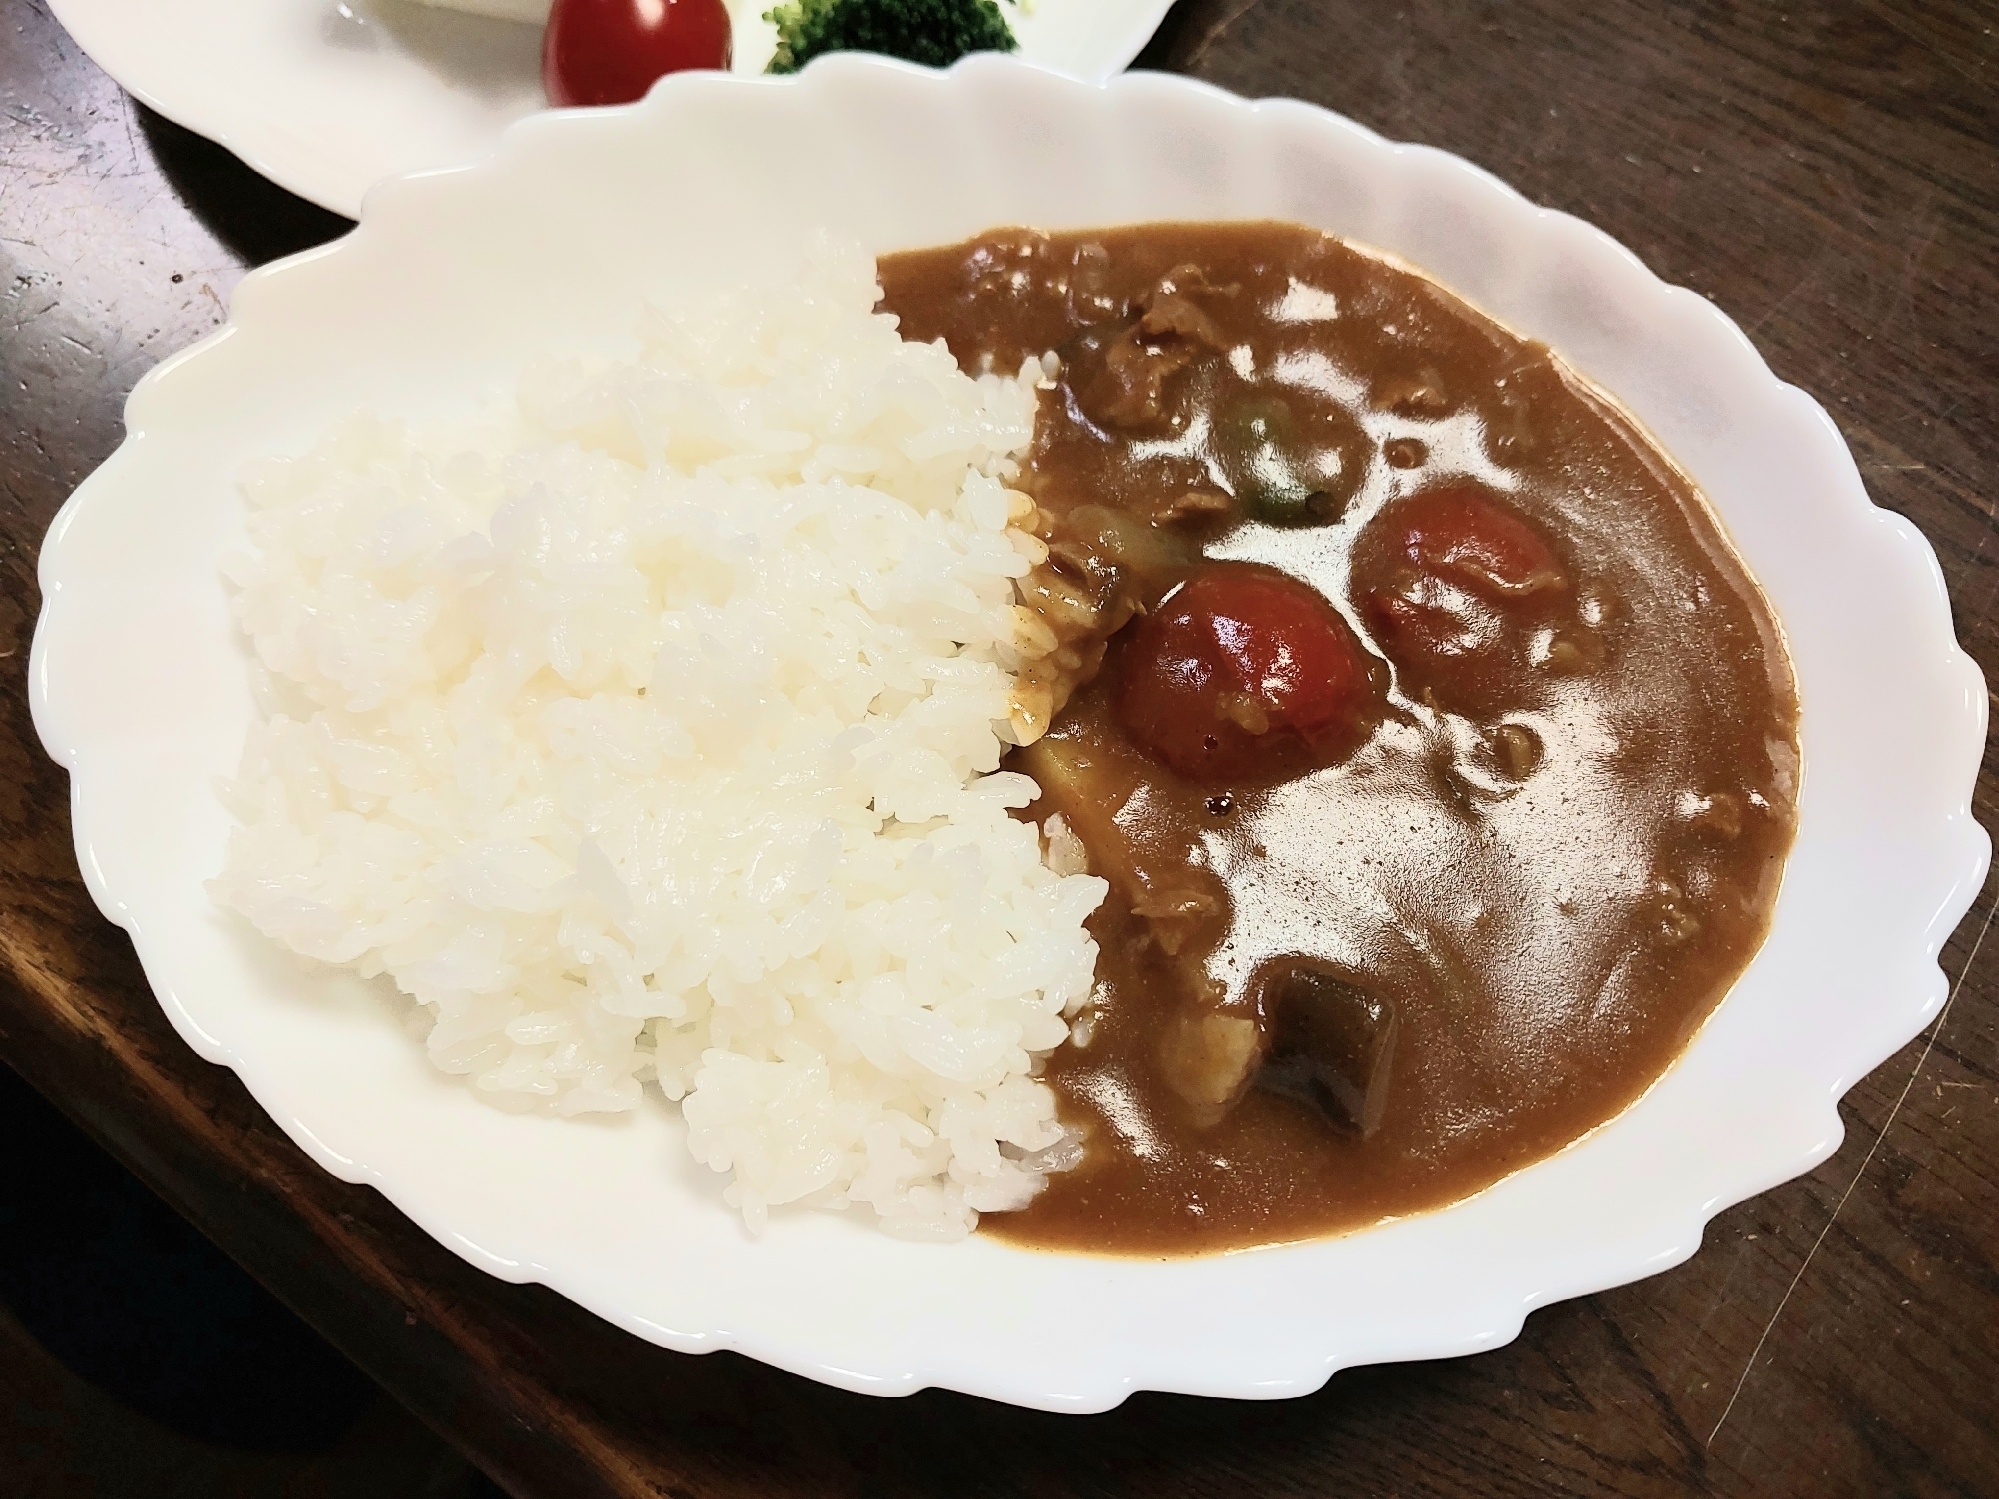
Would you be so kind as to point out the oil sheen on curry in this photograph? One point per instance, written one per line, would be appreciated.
(1439, 752)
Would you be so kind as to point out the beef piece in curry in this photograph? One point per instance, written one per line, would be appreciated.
(1438, 750)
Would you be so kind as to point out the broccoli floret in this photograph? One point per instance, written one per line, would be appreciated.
(935, 33)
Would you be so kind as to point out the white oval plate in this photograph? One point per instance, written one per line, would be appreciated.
(139, 688)
(326, 97)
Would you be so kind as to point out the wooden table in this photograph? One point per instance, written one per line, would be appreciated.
(1828, 172)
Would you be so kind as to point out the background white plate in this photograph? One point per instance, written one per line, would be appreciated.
(138, 687)
(324, 97)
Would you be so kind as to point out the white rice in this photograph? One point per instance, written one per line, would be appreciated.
(652, 731)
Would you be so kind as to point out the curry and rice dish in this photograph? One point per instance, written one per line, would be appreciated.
(1149, 741)
(1438, 751)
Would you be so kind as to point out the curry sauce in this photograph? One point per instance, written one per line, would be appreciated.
(1439, 751)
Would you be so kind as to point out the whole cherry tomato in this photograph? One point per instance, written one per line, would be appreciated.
(1462, 534)
(1244, 674)
(1452, 582)
(612, 51)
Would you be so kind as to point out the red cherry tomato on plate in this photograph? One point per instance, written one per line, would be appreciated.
(612, 51)
(1244, 673)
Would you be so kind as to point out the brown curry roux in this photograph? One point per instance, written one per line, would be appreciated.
(1363, 964)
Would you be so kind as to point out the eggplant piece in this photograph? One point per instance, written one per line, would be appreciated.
(1330, 1046)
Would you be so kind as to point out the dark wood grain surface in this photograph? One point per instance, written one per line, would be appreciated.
(1827, 172)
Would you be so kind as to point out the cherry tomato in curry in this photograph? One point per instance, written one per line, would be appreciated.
(1243, 673)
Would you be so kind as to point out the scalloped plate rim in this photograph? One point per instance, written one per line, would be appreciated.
(1909, 560)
